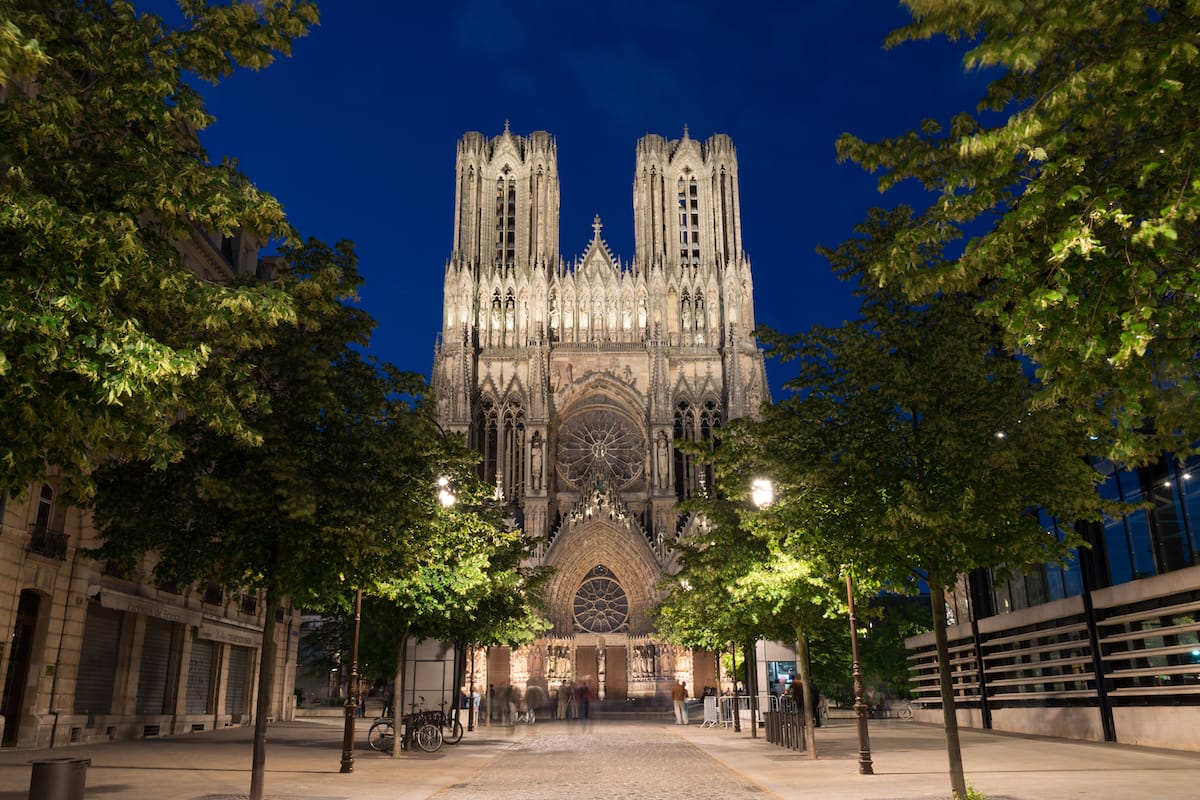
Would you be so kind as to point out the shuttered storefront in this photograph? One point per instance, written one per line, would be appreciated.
(154, 672)
(200, 676)
(239, 677)
(98, 661)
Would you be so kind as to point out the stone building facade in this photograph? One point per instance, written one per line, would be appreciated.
(576, 380)
(91, 656)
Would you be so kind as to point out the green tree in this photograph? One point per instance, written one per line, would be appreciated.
(739, 578)
(470, 588)
(913, 446)
(1078, 178)
(105, 336)
(884, 657)
(339, 494)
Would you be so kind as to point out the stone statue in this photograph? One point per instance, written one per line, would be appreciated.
(535, 463)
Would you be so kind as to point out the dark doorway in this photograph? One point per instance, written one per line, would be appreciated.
(586, 666)
(615, 672)
(17, 676)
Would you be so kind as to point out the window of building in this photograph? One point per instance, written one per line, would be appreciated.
(488, 431)
(688, 199)
(685, 431)
(693, 425)
(45, 506)
(506, 220)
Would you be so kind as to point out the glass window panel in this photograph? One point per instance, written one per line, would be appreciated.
(1035, 586)
(1189, 485)
(1072, 577)
(1003, 598)
(1173, 547)
(1140, 544)
(1017, 592)
(1120, 555)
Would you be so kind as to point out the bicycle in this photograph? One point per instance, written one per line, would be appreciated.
(452, 729)
(527, 717)
(382, 734)
(420, 729)
(424, 732)
(905, 710)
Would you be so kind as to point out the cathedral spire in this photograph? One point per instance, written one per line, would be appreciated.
(596, 226)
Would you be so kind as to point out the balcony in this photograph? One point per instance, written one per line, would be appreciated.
(48, 543)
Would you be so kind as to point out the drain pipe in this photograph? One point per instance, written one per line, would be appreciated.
(62, 634)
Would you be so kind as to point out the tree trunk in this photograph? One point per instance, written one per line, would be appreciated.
(752, 685)
(266, 687)
(460, 682)
(398, 689)
(810, 740)
(958, 779)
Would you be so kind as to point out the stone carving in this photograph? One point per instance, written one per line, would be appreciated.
(535, 463)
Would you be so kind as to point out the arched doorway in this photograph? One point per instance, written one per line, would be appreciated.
(17, 676)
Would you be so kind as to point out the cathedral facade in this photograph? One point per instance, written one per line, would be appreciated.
(577, 379)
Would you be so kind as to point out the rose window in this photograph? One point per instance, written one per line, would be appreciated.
(600, 604)
(601, 439)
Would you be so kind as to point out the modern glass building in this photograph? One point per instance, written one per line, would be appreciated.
(1106, 647)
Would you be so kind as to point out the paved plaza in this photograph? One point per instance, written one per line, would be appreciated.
(645, 759)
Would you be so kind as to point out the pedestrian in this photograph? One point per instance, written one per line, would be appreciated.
(679, 695)
(565, 692)
(583, 698)
(387, 700)
(512, 698)
(796, 693)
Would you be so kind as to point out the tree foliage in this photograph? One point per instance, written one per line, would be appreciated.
(341, 483)
(105, 336)
(914, 446)
(1080, 167)
(740, 578)
(338, 492)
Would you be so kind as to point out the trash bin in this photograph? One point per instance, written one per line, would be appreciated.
(58, 778)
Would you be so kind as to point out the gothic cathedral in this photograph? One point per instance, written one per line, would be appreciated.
(576, 380)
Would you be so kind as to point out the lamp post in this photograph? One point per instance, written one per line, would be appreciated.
(471, 695)
(860, 707)
(762, 494)
(352, 685)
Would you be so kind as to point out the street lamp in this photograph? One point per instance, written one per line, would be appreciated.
(445, 494)
(860, 707)
(762, 494)
(351, 702)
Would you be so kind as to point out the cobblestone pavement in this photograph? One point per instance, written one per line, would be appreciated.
(616, 761)
(647, 759)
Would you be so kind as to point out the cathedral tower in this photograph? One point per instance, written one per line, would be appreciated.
(576, 381)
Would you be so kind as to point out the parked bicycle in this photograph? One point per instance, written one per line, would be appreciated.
(382, 734)
(422, 729)
(452, 729)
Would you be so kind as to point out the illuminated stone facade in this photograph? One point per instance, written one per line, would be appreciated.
(576, 379)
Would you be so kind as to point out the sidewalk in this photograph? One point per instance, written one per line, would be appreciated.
(304, 757)
(910, 762)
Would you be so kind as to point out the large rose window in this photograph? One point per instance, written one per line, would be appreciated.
(600, 439)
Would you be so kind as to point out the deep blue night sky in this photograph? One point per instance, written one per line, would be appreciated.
(356, 132)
